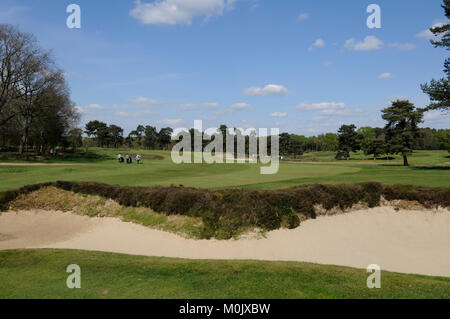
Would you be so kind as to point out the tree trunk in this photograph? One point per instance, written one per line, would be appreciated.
(405, 161)
(24, 139)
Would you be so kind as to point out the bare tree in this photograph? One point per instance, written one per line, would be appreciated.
(19, 54)
(39, 87)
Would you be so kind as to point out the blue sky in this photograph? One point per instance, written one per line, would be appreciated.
(303, 66)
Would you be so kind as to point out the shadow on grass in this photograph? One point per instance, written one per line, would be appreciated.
(89, 157)
(442, 168)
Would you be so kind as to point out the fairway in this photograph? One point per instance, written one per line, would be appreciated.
(428, 169)
(105, 275)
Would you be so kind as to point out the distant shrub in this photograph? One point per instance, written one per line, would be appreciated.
(225, 213)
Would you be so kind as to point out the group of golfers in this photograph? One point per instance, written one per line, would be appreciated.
(128, 159)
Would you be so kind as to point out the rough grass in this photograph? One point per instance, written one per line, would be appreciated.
(54, 199)
(42, 274)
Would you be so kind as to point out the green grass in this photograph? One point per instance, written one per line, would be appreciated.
(100, 166)
(42, 274)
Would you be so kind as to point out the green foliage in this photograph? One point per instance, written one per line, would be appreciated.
(348, 141)
(105, 135)
(290, 145)
(375, 147)
(401, 128)
(439, 90)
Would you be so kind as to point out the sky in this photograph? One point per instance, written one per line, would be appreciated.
(305, 66)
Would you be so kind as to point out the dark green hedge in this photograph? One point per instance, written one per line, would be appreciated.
(226, 212)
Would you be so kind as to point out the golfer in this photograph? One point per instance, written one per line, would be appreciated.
(138, 159)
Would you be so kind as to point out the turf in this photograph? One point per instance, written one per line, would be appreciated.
(42, 274)
(99, 165)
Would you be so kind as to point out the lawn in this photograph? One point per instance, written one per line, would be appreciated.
(42, 274)
(158, 169)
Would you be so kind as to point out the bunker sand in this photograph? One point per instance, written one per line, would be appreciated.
(405, 241)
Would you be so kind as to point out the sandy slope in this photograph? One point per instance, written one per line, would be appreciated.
(405, 241)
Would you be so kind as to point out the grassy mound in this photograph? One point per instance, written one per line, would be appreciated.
(227, 213)
(55, 199)
(42, 274)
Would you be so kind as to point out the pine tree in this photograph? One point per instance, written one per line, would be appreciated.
(348, 141)
(402, 128)
(375, 147)
(439, 90)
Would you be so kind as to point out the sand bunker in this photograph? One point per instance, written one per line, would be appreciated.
(405, 241)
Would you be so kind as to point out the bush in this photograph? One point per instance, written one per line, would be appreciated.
(6, 198)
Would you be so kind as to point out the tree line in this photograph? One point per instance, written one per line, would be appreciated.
(146, 137)
(401, 135)
(35, 106)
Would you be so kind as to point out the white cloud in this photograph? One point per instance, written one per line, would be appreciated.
(134, 114)
(319, 43)
(327, 63)
(170, 122)
(427, 34)
(174, 12)
(386, 75)
(302, 17)
(241, 106)
(143, 101)
(344, 111)
(432, 115)
(211, 105)
(369, 43)
(268, 90)
(96, 106)
(436, 119)
(320, 106)
(187, 107)
(403, 46)
(278, 114)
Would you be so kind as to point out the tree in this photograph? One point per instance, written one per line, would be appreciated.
(151, 137)
(18, 55)
(375, 147)
(401, 128)
(330, 142)
(284, 143)
(38, 88)
(140, 131)
(100, 132)
(439, 90)
(295, 147)
(54, 118)
(76, 138)
(348, 141)
(115, 135)
(165, 136)
(366, 135)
